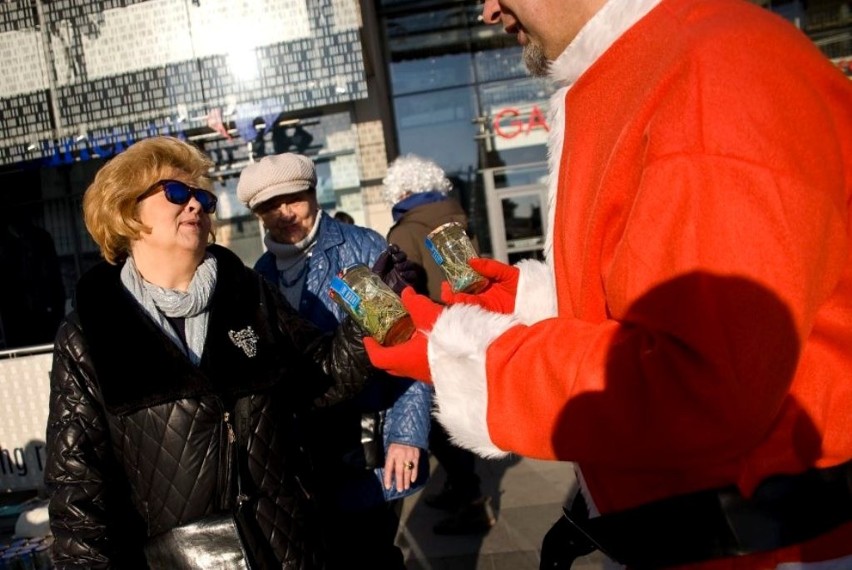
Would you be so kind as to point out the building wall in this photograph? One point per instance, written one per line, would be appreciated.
(101, 72)
(83, 79)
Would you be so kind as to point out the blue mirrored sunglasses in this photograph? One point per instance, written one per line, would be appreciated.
(179, 193)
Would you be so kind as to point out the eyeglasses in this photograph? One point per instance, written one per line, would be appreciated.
(179, 193)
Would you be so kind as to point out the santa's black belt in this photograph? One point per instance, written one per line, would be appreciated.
(715, 523)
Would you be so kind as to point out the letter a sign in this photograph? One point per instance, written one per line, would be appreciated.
(524, 124)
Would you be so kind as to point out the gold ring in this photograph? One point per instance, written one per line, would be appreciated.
(409, 465)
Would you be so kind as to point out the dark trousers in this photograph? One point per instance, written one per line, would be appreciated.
(458, 463)
(363, 539)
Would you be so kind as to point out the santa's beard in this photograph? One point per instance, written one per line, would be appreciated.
(535, 60)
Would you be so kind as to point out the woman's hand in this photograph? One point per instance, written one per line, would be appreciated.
(401, 466)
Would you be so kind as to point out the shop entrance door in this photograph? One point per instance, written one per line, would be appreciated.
(516, 197)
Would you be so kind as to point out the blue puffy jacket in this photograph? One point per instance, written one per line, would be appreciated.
(405, 404)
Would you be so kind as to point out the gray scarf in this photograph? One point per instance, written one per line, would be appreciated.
(160, 303)
(292, 262)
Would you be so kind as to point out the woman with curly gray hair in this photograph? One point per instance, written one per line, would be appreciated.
(418, 191)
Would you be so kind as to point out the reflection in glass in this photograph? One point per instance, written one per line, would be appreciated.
(505, 63)
(528, 90)
(532, 254)
(521, 176)
(438, 126)
(522, 220)
(403, 29)
(516, 111)
(447, 30)
(448, 69)
(430, 73)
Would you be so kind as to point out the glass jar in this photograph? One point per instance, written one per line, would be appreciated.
(372, 304)
(451, 249)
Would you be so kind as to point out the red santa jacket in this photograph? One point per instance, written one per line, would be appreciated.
(693, 325)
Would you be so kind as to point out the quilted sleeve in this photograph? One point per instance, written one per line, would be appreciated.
(373, 245)
(336, 362)
(79, 467)
(407, 422)
(408, 419)
(345, 360)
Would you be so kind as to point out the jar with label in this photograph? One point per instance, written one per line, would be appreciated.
(451, 249)
(372, 304)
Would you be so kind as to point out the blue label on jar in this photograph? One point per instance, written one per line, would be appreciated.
(435, 255)
(346, 293)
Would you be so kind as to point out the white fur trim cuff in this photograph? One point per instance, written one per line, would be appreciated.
(457, 346)
(536, 298)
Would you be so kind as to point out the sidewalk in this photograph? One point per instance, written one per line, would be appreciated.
(526, 495)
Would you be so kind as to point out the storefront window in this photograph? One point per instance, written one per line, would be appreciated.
(500, 63)
(456, 85)
(516, 112)
(439, 125)
(86, 78)
(431, 73)
(329, 140)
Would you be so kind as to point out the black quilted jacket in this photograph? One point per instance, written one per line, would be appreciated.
(138, 438)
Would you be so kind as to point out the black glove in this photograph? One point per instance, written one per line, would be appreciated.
(396, 270)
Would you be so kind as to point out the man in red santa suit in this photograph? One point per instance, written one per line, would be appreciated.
(688, 342)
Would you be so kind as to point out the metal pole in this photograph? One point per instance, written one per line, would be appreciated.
(53, 92)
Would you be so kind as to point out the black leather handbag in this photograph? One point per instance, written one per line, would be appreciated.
(224, 541)
(372, 439)
(212, 542)
(370, 453)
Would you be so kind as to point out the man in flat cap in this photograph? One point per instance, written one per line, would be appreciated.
(368, 453)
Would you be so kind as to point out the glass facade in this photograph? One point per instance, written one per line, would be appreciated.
(83, 79)
(93, 73)
(461, 95)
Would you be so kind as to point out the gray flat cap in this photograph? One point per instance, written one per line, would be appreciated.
(275, 175)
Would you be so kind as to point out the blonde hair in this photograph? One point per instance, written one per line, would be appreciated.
(110, 202)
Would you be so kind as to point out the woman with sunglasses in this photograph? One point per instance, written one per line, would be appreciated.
(174, 384)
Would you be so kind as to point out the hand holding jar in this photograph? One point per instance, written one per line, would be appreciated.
(499, 293)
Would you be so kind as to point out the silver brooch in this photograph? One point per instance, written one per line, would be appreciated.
(245, 339)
